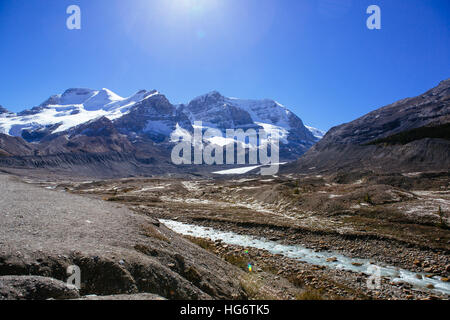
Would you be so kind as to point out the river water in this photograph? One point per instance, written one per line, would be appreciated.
(310, 256)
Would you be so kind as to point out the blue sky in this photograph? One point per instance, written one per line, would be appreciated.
(315, 56)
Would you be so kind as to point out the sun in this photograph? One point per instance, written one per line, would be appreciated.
(192, 7)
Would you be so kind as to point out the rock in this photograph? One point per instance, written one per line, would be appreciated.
(356, 145)
(114, 233)
(156, 223)
(417, 263)
(430, 286)
(444, 279)
(357, 264)
(429, 269)
(332, 259)
(136, 296)
(447, 268)
(35, 288)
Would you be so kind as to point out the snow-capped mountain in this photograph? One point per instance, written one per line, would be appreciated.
(62, 112)
(319, 134)
(3, 110)
(150, 115)
(219, 112)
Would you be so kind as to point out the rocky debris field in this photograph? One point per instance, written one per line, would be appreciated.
(391, 219)
(35, 288)
(119, 251)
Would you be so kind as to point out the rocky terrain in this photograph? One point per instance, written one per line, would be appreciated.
(103, 195)
(119, 251)
(82, 130)
(409, 135)
(388, 220)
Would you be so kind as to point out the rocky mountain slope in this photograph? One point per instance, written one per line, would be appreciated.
(217, 111)
(150, 115)
(10, 146)
(86, 131)
(409, 135)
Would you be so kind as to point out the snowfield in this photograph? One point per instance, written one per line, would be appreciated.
(78, 106)
(74, 107)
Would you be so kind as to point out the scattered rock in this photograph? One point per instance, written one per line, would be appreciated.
(35, 288)
(332, 259)
(137, 296)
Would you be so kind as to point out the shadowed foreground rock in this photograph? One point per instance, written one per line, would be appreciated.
(35, 288)
(119, 251)
(137, 296)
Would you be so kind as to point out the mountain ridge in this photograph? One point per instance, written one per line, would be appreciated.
(417, 125)
(149, 115)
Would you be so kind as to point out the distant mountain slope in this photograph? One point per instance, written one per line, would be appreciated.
(316, 132)
(10, 146)
(411, 134)
(62, 112)
(217, 111)
(95, 136)
(3, 110)
(145, 118)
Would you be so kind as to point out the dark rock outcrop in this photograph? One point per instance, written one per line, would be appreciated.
(35, 288)
(154, 117)
(15, 146)
(96, 136)
(118, 251)
(3, 110)
(411, 134)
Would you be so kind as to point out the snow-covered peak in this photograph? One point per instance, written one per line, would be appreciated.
(212, 94)
(76, 96)
(3, 110)
(74, 107)
(316, 132)
(209, 98)
(149, 113)
(90, 99)
(218, 111)
(265, 110)
(101, 99)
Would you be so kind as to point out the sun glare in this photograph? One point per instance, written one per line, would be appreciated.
(192, 7)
